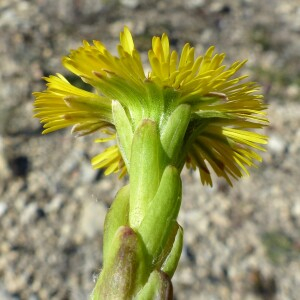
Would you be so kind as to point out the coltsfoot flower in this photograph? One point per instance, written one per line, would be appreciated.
(225, 109)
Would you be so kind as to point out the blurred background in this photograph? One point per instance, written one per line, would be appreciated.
(240, 243)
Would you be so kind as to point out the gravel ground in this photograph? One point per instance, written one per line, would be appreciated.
(240, 243)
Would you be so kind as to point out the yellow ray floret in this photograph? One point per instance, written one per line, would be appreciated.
(63, 105)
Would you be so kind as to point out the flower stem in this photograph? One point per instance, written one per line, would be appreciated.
(142, 240)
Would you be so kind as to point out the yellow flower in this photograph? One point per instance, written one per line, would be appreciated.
(225, 108)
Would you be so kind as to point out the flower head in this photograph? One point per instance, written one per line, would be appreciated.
(225, 109)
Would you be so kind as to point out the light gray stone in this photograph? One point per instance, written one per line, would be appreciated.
(92, 219)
